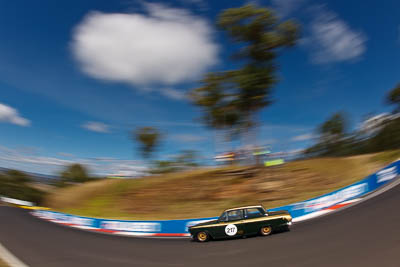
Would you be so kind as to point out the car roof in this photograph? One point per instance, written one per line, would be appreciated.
(245, 207)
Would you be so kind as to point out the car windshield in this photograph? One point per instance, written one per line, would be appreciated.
(223, 217)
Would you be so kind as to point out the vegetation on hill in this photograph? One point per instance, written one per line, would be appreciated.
(377, 133)
(206, 192)
(3, 264)
(16, 184)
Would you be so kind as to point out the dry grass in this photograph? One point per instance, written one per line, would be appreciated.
(3, 264)
(206, 192)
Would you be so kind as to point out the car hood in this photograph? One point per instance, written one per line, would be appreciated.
(206, 223)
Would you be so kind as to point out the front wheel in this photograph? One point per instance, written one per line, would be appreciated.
(266, 230)
(202, 236)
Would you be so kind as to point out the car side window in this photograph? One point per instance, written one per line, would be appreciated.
(253, 213)
(223, 217)
(235, 215)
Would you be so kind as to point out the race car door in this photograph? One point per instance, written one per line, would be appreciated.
(231, 224)
(252, 224)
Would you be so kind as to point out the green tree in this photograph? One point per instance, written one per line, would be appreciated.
(18, 176)
(333, 139)
(164, 166)
(231, 99)
(148, 139)
(75, 173)
(393, 98)
(387, 138)
(15, 184)
(187, 159)
(334, 128)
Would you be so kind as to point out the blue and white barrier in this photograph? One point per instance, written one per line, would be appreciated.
(323, 204)
(16, 201)
(177, 228)
(165, 228)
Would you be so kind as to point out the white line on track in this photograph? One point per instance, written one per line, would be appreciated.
(9, 258)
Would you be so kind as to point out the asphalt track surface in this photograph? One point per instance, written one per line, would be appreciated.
(367, 234)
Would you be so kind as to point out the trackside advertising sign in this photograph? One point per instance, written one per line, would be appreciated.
(154, 227)
(356, 190)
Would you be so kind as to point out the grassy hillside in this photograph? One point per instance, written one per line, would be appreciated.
(206, 192)
(2, 263)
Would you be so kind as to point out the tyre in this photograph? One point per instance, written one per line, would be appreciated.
(202, 236)
(266, 230)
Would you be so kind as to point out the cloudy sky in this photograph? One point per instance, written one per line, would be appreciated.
(77, 76)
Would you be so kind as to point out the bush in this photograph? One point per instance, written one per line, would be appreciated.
(13, 185)
(74, 173)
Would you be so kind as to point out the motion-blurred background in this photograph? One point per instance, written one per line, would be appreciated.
(178, 109)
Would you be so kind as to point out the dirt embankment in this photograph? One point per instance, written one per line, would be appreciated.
(206, 192)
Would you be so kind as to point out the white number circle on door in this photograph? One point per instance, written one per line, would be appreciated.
(231, 229)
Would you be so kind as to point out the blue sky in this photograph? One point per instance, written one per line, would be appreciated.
(77, 76)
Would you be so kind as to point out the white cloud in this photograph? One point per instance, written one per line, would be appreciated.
(11, 115)
(303, 137)
(173, 93)
(12, 158)
(22, 158)
(374, 123)
(65, 155)
(96, 127)
(283, 127)
(188, 138)
(294, 152)
(286, 7)
(163, 47)
(333, 40)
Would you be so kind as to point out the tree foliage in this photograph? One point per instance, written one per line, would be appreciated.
(334, 128)
(18, 176)
(394, 98)
(15, 184)
(230, 99)
(387, 137)
(187, 159)
(148, 139)
(334, 140)
(75, 173)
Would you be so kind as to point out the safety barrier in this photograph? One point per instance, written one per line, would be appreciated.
(17, 202)
(177, 228)
(342, 197)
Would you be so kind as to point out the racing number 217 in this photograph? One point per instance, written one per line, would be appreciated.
(230, 230)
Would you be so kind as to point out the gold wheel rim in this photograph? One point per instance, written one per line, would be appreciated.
(202, 236)
(266, 230)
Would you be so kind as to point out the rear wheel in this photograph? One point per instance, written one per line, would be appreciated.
(202, 236)
(266, 230)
